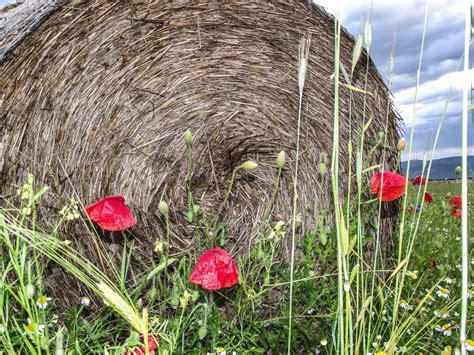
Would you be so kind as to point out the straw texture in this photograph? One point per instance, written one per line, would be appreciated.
(107, 90)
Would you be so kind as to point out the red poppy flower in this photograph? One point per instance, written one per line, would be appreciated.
(456, 212)
(393, 185)
(214, 270)
(456, 201)
(428, 198)
(111, 214)
(419, 181)
(152, 345)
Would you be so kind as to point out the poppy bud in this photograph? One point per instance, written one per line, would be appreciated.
(163, 208)
(401, 144)
(249, 165)
(458, 170)
(281, 159)
(188, 137)
(381, 134)
(322, 168)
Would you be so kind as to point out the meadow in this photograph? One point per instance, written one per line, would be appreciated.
(251, 317)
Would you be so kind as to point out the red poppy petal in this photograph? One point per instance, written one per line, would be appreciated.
(392, 187)
(111, 214)
(456, 201)
(428, 198)
(214, 270)
(456, 212)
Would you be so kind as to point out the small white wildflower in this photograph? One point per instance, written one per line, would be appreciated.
(404, 304)
(324, 342)
(375, 344)
(24, 192)
(441, 314)
(158, 247)
(443, 292)
(85, 301)
(32, 327)
(26, 211)
(447, 331)
(378, 337)
(310, 311)
(449, 280)
(469, 345)
(42, 302)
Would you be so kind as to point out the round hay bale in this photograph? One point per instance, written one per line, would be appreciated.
(97, 98)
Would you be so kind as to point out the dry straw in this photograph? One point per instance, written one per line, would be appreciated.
(107, 89)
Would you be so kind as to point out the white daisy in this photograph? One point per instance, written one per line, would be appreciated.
(469, 345)
(443, 292)
(441, 314)
(42, 302)
(447, 350)
(445, 329)
(85, 301)
(32, 327)
(449, 280)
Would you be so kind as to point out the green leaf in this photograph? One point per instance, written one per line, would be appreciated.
(133, 340)
(41, 192)
(354, 272)
(344, 73)
(344, 238)
(161, 266)
(356, 89)
(398, 268)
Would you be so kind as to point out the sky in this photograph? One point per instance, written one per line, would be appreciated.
(399, 23)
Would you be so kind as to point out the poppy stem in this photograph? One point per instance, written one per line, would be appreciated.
(226, 197)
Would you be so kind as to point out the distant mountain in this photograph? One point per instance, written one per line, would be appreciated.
(440, 169)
